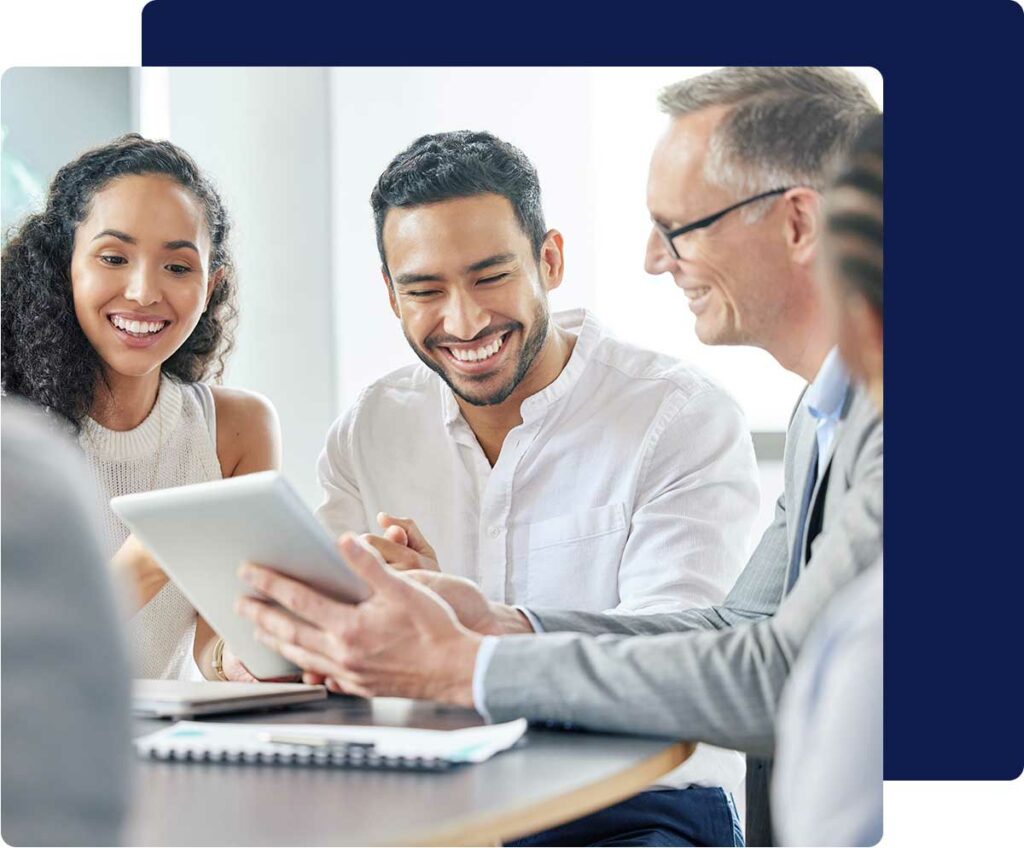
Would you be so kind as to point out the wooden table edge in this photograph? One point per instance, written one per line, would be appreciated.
(550, 812)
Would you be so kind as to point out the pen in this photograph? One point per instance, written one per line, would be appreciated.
(315, 741)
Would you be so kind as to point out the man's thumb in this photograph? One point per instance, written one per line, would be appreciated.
(396, 533)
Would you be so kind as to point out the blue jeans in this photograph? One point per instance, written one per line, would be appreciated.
(694, 816)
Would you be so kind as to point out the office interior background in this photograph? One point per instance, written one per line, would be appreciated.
(295, 153)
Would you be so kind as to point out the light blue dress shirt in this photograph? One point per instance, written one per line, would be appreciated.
(824, 401)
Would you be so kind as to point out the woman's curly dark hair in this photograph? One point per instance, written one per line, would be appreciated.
(46, 356)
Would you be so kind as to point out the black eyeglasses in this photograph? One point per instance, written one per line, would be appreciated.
(670, 235)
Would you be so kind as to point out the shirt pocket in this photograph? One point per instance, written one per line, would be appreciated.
(571, 560)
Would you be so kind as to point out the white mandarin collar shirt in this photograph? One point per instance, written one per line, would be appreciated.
(629, 486)
(588, 334)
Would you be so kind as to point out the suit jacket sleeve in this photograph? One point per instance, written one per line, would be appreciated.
(720, 687)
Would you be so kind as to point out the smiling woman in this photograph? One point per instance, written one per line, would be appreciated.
(117, 302)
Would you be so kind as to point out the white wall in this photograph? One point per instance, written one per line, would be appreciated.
(263, 134)
(50, 116)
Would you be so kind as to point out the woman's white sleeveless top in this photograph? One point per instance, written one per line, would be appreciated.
(175, 445)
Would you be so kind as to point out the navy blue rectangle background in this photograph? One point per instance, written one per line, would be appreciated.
(953, 96)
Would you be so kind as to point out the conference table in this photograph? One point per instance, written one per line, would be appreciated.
(550, 777)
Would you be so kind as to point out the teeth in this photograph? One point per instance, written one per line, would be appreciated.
(139, 328)
(695, 294)
(476, 354)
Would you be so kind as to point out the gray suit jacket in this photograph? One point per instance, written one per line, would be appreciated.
(709, 675)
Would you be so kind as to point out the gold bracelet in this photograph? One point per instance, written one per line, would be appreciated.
(218, 660)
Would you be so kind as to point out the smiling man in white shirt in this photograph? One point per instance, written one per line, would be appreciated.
(545, 460)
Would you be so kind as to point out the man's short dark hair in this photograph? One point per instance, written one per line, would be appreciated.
(445, 166)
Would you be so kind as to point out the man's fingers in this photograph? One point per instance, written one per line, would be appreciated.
(316, 667)
(426, 576)
(302, 657)
(399, 555)
(347, 686)
(293, 595)
(282, 626)
(365, 561)
(395, 554)
(396, 534)
(415, 538)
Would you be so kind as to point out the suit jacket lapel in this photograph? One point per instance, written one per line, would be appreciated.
(820, 491)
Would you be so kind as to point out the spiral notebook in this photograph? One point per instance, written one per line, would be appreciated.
(330, 745)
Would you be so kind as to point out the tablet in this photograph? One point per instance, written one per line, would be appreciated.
(200, 534)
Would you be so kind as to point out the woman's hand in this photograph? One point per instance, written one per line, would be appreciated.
(136, 567)
(234, 669)
(205, 648)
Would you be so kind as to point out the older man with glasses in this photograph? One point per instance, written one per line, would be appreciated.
(736, 139)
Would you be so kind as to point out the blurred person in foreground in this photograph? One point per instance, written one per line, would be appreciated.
(66, 733)
(828, 774)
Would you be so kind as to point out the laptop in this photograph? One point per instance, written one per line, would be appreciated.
(185, 699)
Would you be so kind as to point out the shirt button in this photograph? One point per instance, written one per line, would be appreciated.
(494, 532)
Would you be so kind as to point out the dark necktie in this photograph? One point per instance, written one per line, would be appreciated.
(805, 502)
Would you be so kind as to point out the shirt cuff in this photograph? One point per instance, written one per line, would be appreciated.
(530, 617)
(483, 659)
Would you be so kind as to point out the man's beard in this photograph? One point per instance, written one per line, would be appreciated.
(527, 354)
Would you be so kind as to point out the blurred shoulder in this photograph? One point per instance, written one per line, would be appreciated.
(39, 446)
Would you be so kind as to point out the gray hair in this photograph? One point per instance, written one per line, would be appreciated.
(786, 127)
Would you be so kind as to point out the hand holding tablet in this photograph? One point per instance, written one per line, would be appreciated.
(200, 534)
